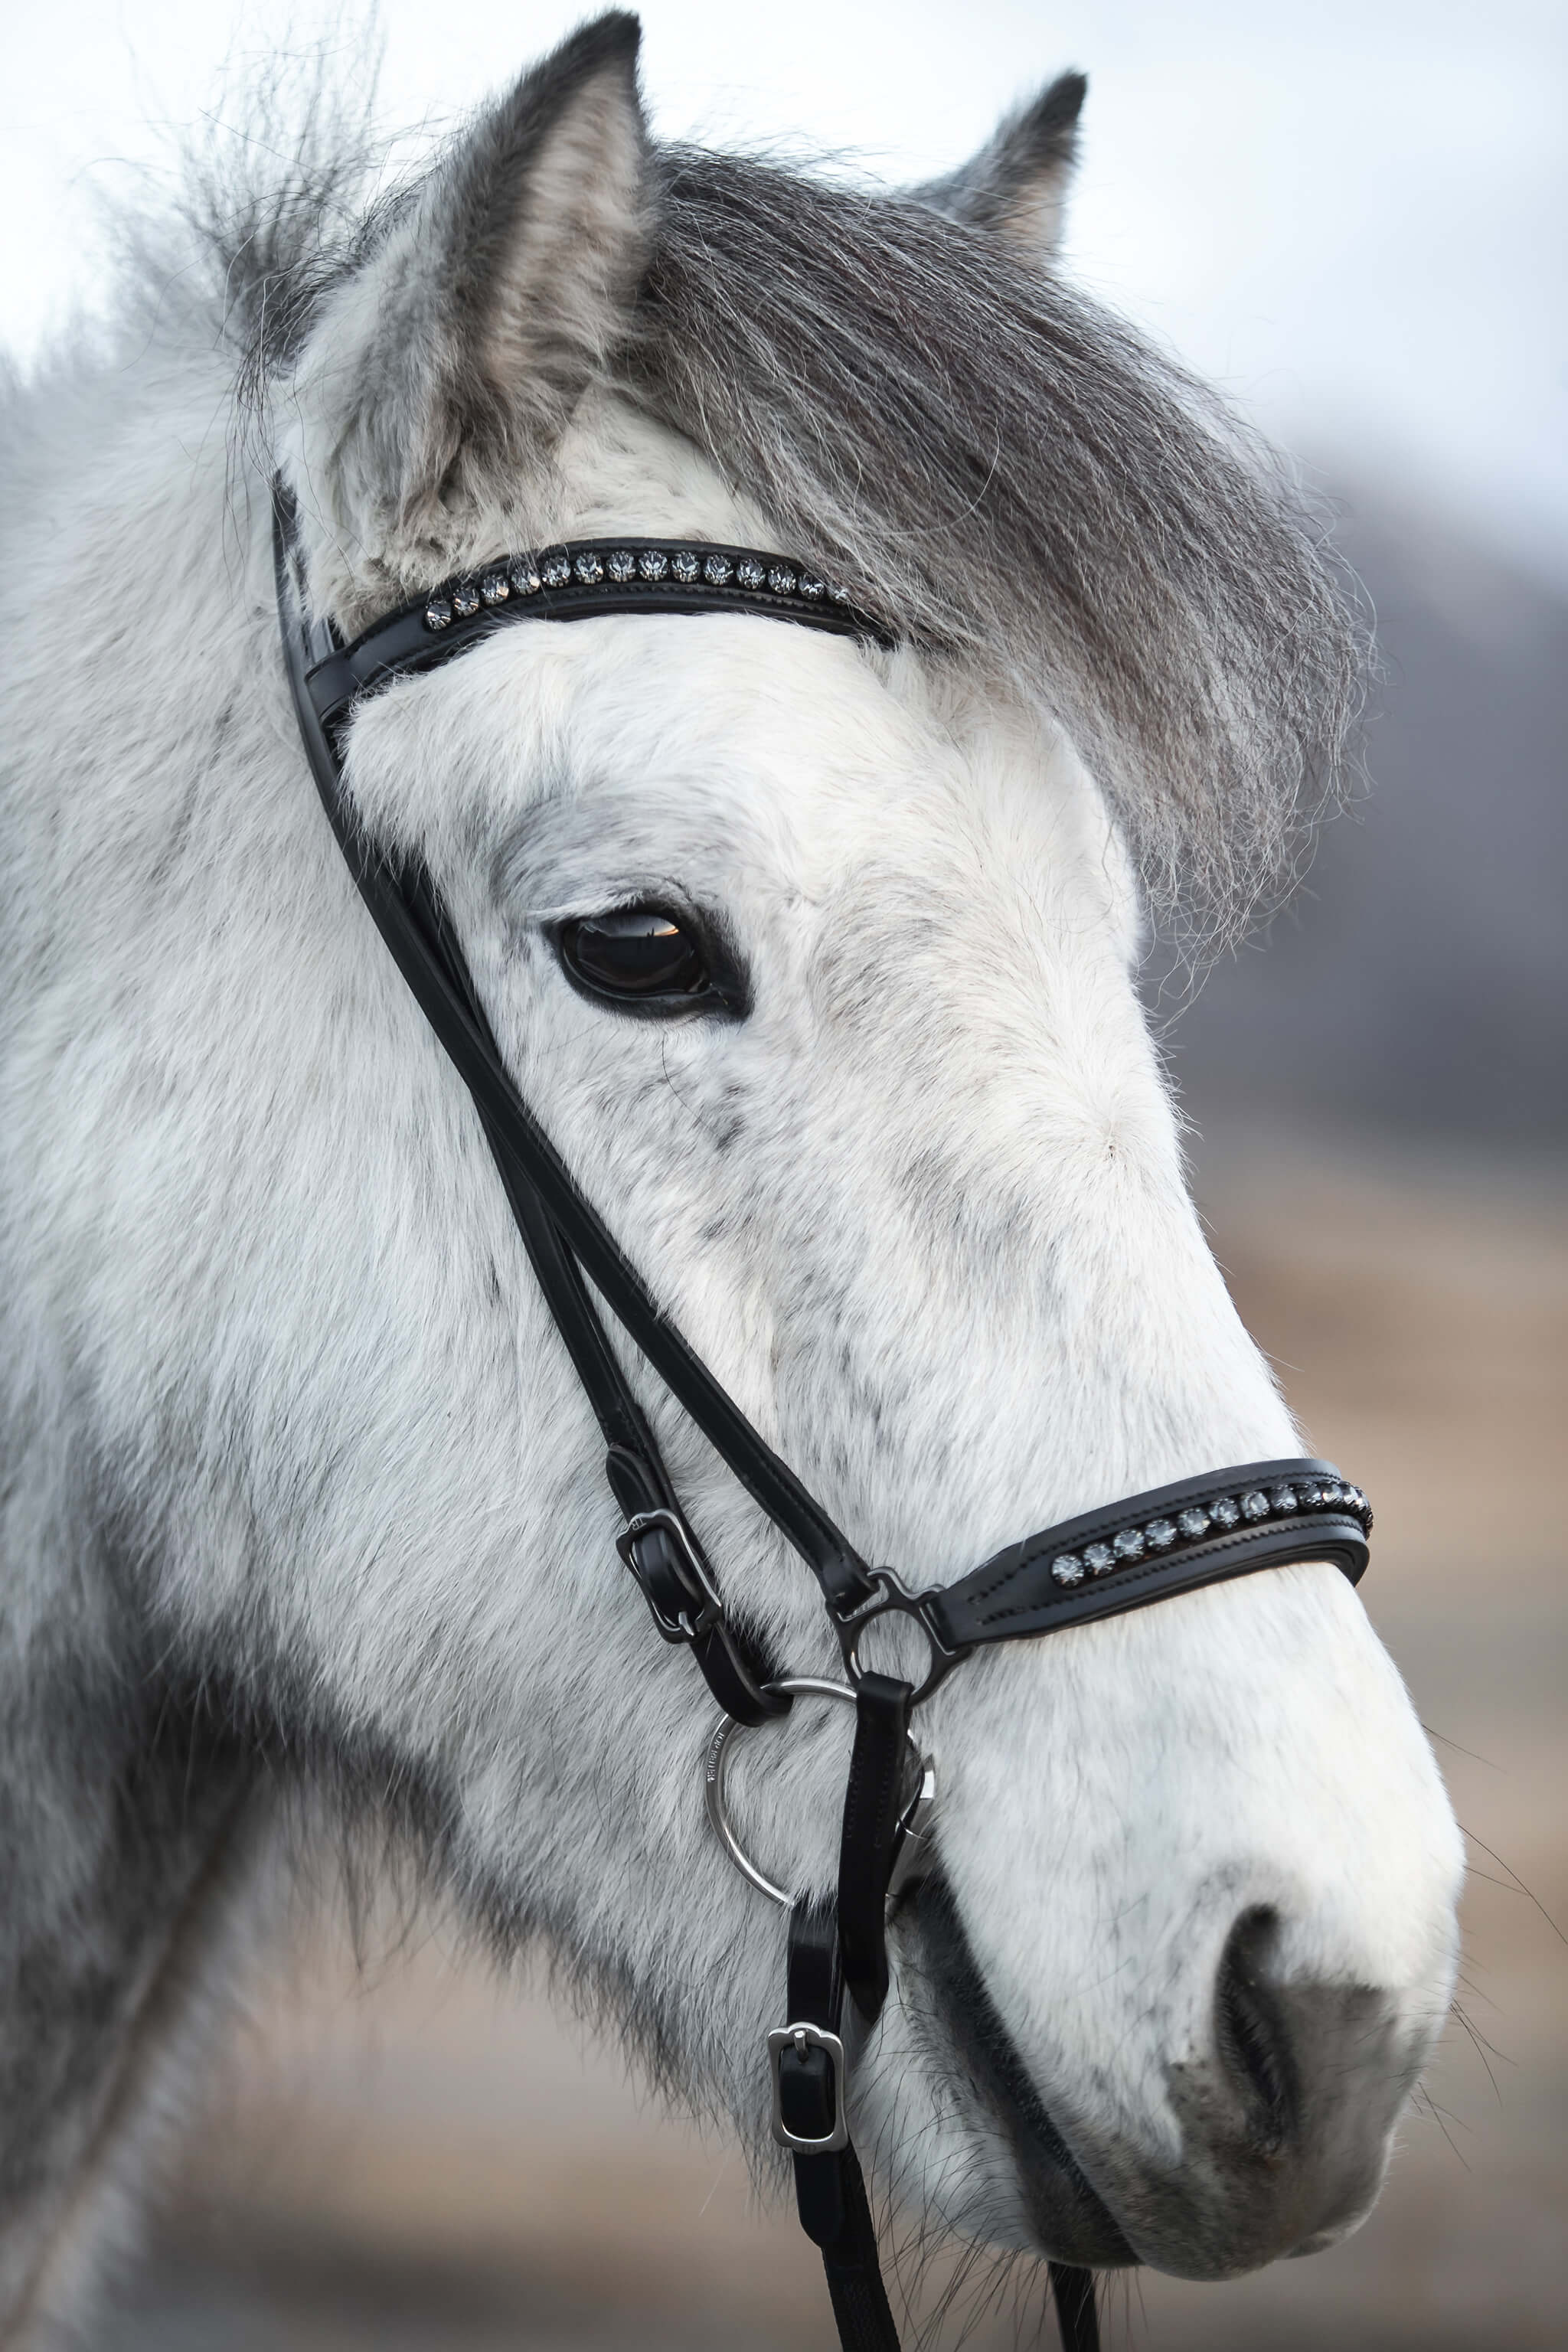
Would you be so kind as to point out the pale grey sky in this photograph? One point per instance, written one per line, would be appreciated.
(1350, 214)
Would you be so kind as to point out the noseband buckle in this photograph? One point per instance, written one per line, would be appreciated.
(661, 1552)
(808, 2071)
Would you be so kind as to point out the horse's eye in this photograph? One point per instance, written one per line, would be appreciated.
(639, 955)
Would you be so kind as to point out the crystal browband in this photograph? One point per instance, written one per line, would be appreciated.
(1216, 1516)
(633, 566)
(578, 581)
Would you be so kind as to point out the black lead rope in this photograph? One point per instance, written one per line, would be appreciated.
(1145, 1549)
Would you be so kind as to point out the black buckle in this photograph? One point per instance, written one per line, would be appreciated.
(799, 2042)
(683, 1568)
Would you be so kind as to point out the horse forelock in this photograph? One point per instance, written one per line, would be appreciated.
(1006, 470)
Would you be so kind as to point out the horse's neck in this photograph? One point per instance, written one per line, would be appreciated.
(131, 1849)
(117, 1821)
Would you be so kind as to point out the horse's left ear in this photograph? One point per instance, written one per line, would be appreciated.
(442, 371)
(1017, 184)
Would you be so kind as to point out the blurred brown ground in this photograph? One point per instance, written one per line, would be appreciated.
(420, 2159)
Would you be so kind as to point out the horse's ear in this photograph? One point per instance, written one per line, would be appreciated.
(441, 374)
(1017, 184)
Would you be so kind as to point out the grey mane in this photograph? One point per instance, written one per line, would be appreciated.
(1009, 472)
(1004, 470)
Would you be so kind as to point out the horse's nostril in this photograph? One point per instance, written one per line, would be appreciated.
(1252, 2033)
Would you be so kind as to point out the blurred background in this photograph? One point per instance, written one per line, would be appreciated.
(1351, 217)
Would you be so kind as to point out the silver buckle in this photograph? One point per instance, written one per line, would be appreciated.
(684, 1627)
(800, 2039)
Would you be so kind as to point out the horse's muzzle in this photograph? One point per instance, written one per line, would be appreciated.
(1285, 2122)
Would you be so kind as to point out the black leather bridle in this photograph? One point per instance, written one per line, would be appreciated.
(1124, 1556)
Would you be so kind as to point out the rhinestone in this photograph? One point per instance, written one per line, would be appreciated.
(1192, 1524)
(557, 571)
(622, 565)
(494, 587)
(438, 614)
(525, 575)
(1128, 1544)
(836, 593)
(750, 574)
(589, 571)
(1332, 1493)
(1160, 1534)
(1068, 1568)
(781, 580)
(1255, 1503)
(1097, 1558)
(810, 585)
(1309, 1493)
(1224, 1513)
(653, 563)
(465, 599)
(1357, 1500)
(685, 567)
(1282, 1499)
(717, 571)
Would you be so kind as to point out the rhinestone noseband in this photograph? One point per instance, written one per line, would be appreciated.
(1223, 1512)
(1124, 1556)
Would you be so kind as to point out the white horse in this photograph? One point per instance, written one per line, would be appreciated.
(300, 1494)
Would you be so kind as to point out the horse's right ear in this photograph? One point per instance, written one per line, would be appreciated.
(441, 373)
(1017, 184)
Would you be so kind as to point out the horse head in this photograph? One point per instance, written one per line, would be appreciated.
(816, 957)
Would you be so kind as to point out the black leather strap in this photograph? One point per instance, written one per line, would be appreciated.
(1018, 1592)
(735, 1667)
(830, 2189)
(402, 642)
(871, 1810)
(1072, 2292)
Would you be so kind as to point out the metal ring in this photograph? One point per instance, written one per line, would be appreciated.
(893, 1596)
(716, 1766)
